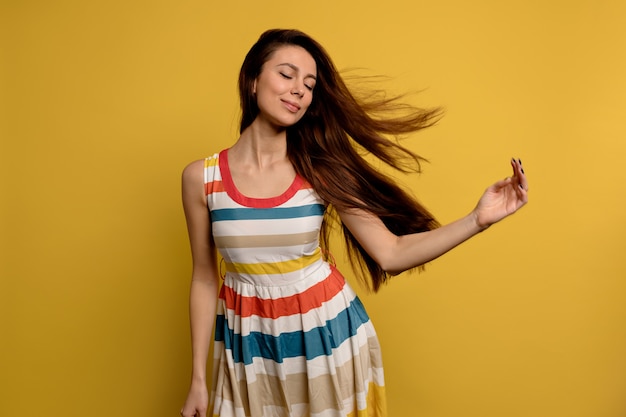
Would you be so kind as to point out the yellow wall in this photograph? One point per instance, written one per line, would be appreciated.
(103, 103)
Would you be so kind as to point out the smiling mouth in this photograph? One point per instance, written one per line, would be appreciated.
(291, 106)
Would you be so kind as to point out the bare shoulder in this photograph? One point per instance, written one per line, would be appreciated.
(193, 182)
(194, 167)
(194, 171)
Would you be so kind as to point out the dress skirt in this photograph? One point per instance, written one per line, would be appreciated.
(303, 349)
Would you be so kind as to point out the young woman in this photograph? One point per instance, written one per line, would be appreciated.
(291, 337)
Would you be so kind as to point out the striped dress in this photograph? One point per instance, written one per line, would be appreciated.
(291, 337)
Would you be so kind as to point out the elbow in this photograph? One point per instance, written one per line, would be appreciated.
(393, 271)
(390, 265)
(390, 259)
(397, 269)
(396, 261)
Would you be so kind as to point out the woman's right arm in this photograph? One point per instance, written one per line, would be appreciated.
(204, 285)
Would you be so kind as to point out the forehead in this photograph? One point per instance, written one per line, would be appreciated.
(294, 55)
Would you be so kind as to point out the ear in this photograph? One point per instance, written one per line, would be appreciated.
(254, 87)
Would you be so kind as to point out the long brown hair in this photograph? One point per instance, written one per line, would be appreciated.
(325, 147)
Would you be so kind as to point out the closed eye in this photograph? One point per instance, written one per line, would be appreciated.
(286, 76)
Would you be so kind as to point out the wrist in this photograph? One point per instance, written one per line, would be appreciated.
(198, 379)
(477, 223)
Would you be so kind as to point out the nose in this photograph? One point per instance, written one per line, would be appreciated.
(297, 91)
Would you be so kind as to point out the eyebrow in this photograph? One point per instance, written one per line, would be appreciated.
(295, 68)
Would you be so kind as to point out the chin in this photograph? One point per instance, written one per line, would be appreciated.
(288, 123)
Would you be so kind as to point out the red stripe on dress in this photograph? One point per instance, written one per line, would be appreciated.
(213, 187)
(300, 303)
(235, 195)
(305, 185)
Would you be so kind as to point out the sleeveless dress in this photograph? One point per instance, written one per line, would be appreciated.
(291, 337)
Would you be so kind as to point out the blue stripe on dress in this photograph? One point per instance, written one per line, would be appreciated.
(316, 342)
(267, 214)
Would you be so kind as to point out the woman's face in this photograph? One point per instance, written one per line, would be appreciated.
(284, 88)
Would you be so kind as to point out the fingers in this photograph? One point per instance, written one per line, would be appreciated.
(519, 175)
(190, 413)
(519, 181)
(499, 185)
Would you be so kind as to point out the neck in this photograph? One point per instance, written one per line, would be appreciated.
(261, 145)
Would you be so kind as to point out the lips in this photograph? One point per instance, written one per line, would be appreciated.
(291, 106)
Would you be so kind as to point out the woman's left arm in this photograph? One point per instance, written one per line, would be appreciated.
(396, 254)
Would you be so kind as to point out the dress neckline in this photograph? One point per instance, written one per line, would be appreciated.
(254, 202)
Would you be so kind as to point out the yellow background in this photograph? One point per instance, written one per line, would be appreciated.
(103, 103)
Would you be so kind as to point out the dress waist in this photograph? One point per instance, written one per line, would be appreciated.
(310, 274)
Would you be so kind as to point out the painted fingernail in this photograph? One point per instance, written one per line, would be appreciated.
(520, 161)
(523, 171)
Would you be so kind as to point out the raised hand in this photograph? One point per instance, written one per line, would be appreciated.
(503, 198)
